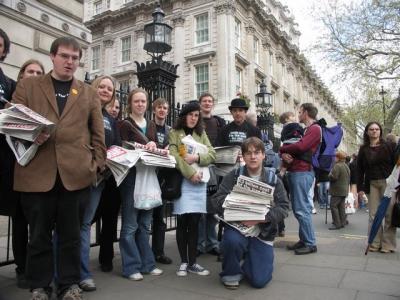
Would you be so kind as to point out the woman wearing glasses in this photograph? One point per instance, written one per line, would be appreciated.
(375, 163)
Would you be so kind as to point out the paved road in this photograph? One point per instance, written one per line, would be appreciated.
(339, 271)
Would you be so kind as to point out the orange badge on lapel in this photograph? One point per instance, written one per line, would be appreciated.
(74, 92)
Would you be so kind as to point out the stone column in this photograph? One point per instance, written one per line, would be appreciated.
(225, 55)
(179, 55)
(251, 88)
(108, 43)
(139, 34)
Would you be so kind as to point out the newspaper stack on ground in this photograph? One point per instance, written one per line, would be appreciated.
(120, 160)
(249, 200)
(154, 157)
(193, 147)
(22, 126)
(226, 159)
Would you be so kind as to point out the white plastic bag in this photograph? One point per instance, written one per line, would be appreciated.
(147, 194)
(349, 204)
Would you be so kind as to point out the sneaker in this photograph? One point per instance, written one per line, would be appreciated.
(39, 294)
(136, 276)
(182, 271)
(231, 285)
(73, 293)
(156, 272)
(314, 211)
(87, 285)
(197, 269)
(305, 250)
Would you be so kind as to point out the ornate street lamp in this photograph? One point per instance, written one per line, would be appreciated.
(157, 76)
(265, 120)
(157, 35)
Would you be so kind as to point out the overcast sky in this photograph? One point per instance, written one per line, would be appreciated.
(309, 26)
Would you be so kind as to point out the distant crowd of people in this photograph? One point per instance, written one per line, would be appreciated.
(53, 201)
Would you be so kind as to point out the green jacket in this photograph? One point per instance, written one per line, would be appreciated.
(339, 179)
(175, 140)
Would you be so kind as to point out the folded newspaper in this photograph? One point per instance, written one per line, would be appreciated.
(250, 200)
(226, 159)
(21, 125)
(244, 229)
(21, 122)
(193, 147)
(120, 160)
(153, 157)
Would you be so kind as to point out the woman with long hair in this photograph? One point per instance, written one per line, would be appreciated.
(137, 256)
(105, 86)
(375, 163)
(31, 67)
(192, 202)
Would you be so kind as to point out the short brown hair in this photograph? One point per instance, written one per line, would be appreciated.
(285, 116)
(158, 102)
(129, 99)
(310, 109)
(28, 63)
(206, 94)
(255, 142)
(67, 42)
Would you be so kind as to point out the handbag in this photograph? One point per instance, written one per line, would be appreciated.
(349, 204)
(147, 193)
(170, 180)
(396, 211)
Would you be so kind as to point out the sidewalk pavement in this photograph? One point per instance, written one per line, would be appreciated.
(338, 271)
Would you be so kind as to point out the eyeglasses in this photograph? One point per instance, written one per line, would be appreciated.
(64, 56)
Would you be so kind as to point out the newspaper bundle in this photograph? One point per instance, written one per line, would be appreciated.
(153, 157)
(249, 200)
(226, 159)
(120, 160)
(22, 126)
(193, 147)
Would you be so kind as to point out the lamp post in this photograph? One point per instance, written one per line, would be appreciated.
(265, 120)
(157, 76)
(383, 93)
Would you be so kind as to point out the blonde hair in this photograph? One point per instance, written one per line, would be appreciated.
(133, 92)
(97, 82)
(341, 155)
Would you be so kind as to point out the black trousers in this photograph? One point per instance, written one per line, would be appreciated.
(57, 209)
(187, 232)
(19, 238)
(158, 230)
(107, 212)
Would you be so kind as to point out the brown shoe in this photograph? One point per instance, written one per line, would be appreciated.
(295, 246)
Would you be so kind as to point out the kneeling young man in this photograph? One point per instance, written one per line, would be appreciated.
(256, 251)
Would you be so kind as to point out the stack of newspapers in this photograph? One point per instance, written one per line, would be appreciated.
(120, 160)
(250, 200)
(226, 159)
(22, 126)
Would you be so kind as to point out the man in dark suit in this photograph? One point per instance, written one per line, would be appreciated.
(57, 179)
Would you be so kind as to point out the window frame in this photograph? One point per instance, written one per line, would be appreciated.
(127, 51)
(198, 91)
(97, 7)
(197, 30)
(97, 48)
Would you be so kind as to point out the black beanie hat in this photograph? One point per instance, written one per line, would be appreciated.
(189, 107)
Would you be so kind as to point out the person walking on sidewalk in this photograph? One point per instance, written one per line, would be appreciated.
(339, 178)
(58, 178)
(301, 178)
(375, 162)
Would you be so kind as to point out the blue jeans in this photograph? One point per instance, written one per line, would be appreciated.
(89, 212)
(136, 252)
(300, 184)
(258, 259)
(323, 195)
(207, 233)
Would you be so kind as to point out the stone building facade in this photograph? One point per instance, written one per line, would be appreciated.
(33, 25)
